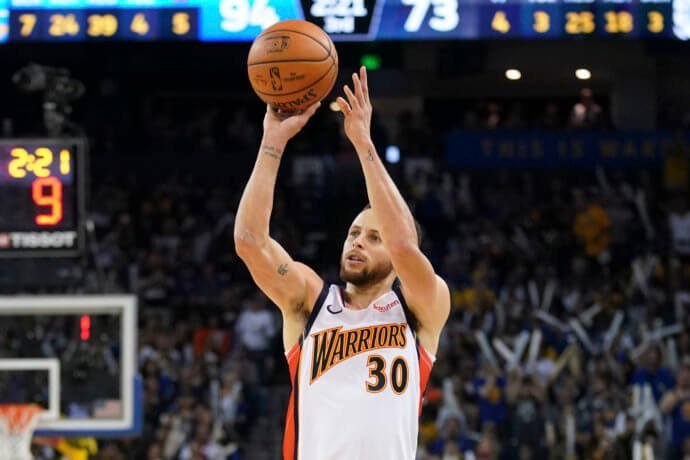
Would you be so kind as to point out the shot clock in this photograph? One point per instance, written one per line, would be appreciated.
(41, 197)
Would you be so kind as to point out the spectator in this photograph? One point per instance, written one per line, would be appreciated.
(255, 328)
(586, 114)
(592, 227)
(676, 403)
(526, 399)
(451, 441)
(489, 388)
(653, 373)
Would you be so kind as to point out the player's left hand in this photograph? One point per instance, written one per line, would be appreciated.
(357, 109)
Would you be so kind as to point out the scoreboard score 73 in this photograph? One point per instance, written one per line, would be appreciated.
(41, 197)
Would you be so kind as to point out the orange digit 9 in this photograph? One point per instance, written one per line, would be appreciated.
(47, 191)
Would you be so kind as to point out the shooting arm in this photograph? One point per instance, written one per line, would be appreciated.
(287, 283)
(426, 293)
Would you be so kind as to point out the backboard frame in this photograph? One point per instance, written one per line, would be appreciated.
(50, 365)
(131, 392)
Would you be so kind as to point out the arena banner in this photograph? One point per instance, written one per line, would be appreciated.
(542, 149)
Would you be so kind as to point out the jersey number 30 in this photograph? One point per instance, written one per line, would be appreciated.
(377, 372)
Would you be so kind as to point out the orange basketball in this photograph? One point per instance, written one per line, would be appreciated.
(292, 65)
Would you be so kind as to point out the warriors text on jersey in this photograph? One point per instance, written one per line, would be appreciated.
(358, 377)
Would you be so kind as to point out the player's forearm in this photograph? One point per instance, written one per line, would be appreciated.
(254, 212)
(395, 218)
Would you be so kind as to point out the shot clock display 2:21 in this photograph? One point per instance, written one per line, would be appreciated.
(47, 170)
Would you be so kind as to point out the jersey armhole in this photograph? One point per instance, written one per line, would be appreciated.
(315, 310)
(409, 316)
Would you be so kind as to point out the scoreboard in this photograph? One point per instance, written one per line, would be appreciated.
(357, 20)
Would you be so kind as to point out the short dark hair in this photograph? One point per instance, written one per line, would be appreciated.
(417, 225)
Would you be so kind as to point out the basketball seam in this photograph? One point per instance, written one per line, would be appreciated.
(301, 89)
(301, 33)
(288, 60)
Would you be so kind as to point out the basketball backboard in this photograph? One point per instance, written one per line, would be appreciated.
(75, 356)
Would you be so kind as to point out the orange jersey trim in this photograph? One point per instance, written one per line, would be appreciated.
(291, 422)
(425, 365)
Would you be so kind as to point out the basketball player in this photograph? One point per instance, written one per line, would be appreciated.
(359, 354)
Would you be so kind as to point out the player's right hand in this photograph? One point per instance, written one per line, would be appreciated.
(282, 128)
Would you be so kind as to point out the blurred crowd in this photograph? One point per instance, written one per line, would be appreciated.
(173, 122)
(568, 335)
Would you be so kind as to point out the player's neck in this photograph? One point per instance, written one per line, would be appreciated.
(359, 297)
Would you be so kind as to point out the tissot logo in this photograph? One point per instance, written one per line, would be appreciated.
(4, 240)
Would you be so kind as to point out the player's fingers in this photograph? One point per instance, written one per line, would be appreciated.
(307, 114)
(358, 89)
(343, 105)
(312, 109)
(351, 97)
(365, 82)
(277, 114)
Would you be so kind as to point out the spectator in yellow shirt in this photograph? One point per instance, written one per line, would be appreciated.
(592, 228)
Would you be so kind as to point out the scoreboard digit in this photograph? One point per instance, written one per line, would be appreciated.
(541, 20)
(656, 20)
(501, 20)
(579, 21)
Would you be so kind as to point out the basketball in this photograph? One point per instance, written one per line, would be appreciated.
(292, 65)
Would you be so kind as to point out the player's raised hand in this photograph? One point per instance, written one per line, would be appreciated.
(357, 109)
(281, 128)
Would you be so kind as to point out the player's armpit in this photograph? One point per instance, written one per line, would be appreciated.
(291, 285)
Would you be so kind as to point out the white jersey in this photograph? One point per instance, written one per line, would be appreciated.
(358, 377)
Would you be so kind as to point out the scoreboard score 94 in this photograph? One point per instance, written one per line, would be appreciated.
(41, 197)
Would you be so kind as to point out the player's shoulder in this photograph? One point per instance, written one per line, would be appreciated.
(437, 308)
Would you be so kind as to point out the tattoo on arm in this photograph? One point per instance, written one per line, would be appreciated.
(282, 269)
(370, 156)
(272, 152)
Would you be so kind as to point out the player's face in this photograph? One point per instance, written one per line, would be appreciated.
(365, 259)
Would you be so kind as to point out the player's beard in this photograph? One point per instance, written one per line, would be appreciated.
(366, 275)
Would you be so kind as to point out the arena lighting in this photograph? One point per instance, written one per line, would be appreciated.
(371, 61)
(583, 74)
(513, 74)
(392, 154)
(334, 106)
